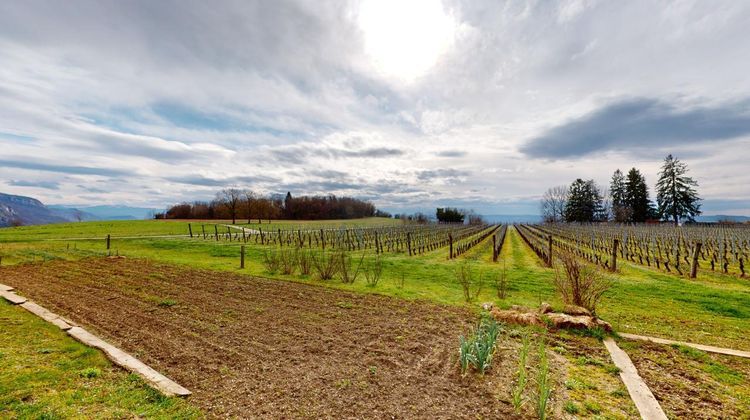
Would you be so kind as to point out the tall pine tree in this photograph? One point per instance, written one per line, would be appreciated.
(584, 202)
(675, 192)
(636, 197)
(620, 209)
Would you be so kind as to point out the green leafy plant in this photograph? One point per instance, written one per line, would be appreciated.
(478, 350)
(521, 375)
(544, 387)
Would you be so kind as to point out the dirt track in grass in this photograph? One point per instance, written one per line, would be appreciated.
(263, 348)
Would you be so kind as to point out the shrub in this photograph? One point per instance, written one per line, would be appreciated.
(471, 287)
(304, 262)
(348, 268)
(287, 261)
(271, 261)
(326, 265)
(501, 283)
(580, 284)
(373, 272)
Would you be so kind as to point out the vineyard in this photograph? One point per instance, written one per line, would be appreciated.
(406, 239)
(679, 250)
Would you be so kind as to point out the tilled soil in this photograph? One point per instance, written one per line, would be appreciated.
(693, 384)
(252, 347)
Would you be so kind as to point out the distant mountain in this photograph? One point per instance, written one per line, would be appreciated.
(113, 212)
(512, 218)
(20, 210)
(722, 217)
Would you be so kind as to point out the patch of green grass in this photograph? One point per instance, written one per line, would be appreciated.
(571, 408)
(592, 407)
(69, 380)
(167, 303)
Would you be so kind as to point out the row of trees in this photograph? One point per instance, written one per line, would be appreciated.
(234, 203)
(626, 199)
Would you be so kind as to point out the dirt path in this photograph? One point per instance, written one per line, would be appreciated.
(272, 348)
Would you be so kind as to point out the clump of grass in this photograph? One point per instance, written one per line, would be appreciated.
(571, 408)
(373, 272)
(544, 387)
(478, 350)
(592, 407)
(522, 375)
(90, 373)
(167, 303)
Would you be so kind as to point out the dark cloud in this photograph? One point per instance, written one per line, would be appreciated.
(633, 124)
(76, 170)
(50, 185)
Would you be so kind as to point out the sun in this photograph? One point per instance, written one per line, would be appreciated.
(404, 39)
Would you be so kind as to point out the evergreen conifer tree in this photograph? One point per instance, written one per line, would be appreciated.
(676, 193)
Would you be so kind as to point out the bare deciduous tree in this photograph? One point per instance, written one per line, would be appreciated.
(553, 204)
(230, 197)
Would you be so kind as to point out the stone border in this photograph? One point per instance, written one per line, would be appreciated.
(710, 349)
(165, 385)
(641, 395)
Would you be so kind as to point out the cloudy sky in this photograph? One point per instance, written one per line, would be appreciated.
(411, 104)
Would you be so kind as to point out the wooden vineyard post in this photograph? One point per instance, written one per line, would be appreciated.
(494, 248)
(216, 231)
(694, 264)
(549, 250)
(408, 242)
(280, 242)
(244, 239)
(450, 244)
(323, 239)
(203, 228)
(377, 243)
(242, 256)
(615, 244)
(229, 234)
(108, 239)
(262, 238)
(190, 229)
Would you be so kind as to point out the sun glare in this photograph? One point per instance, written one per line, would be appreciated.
(405, 38)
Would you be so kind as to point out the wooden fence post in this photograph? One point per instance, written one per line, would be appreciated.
(216, 231)
(615, 244)
(203, 228)
(408, 241)
(242, 256)
(323, 239)
(549, 249)
(377, 243)
(190, 229)
(229, 233)
(694, 265)
(450, 243)
(108, 239)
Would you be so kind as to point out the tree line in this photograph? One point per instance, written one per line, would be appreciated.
(626, 200)
(235, 203)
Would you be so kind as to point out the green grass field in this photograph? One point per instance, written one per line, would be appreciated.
(47, 375)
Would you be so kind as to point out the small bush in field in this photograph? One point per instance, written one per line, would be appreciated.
(326, 265)
(304, 262)
(501, 283)
(349, 268)
(373, 272)
(271, 261)
(579, 283)
(470, 285)
(288, 261)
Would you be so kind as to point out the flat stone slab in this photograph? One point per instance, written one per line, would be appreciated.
(12, 297)
(710, 349)
(154, 378)
(46, 315)
(4, 288)
(641, 395)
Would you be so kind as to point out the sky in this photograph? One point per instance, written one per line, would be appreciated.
(479, 104)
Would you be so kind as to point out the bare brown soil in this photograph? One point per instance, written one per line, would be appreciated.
(693, 384)
(251, 347)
